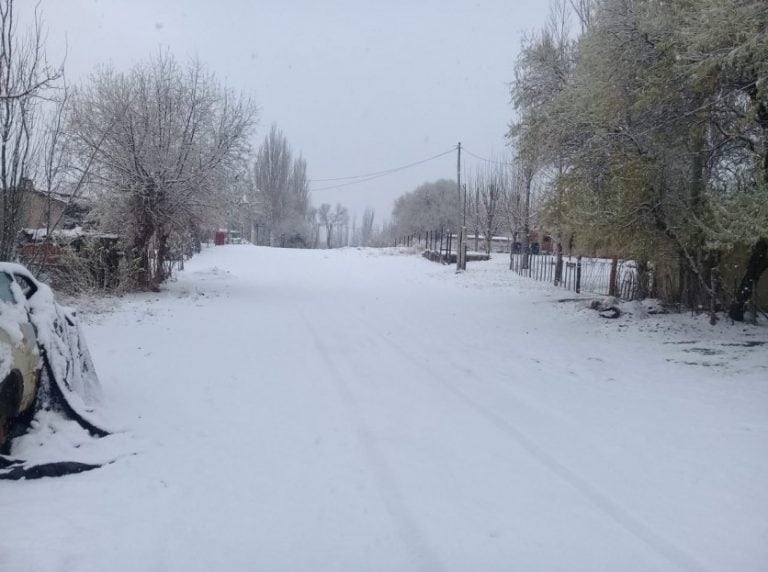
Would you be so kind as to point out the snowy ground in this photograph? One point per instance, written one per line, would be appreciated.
(364, 410)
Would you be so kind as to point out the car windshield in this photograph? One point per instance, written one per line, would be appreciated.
(6, 294)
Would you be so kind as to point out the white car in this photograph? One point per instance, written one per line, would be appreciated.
(44, 362)
(20, 362)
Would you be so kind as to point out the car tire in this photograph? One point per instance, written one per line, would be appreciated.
(11, 391)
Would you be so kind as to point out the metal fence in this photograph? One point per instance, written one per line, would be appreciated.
(602, 276)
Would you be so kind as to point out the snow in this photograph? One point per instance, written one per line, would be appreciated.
(39, 234)
(370, 410)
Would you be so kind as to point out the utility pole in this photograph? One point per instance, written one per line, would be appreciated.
(460, 250)
(458, 174)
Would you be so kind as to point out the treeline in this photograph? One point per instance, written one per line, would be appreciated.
(489, 203)
(648, 133)
(276, 208)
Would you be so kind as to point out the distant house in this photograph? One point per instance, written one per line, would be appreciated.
(41, 210)
(538, 243)
(499, 244)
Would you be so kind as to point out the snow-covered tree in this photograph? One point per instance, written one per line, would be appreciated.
(652, 130)
(431, 206)
(164, 139)
(281, 181)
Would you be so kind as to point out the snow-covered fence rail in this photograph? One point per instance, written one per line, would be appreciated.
(603, 276)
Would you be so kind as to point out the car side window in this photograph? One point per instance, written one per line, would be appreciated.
(6, 294)
(27, 287)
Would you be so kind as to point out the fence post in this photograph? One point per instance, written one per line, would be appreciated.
(440, 257)
(578, 275)
(612, 283)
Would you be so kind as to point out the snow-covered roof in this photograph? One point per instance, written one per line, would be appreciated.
(68, 234)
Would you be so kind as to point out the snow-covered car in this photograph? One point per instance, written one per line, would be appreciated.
(20, 361)
(44, 362)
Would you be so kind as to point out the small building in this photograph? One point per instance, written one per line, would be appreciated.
(41, 210)
(499, 244)
(538, 243)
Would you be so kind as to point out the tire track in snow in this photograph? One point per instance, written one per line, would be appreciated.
(600, 500)
(405, 524)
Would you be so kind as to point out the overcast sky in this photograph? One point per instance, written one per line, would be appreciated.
(356, 86)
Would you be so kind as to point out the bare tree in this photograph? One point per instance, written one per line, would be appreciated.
(492, 194)
(340, 217)
(313, 218)
(366, 227)
(326, 218)
(475, 180)
(488, 189)
(26, 80)
(284, 186)
(273, 177)
(519, 207)
(584, 10)
(526, 180)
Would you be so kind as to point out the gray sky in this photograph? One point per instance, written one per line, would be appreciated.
(356, 86)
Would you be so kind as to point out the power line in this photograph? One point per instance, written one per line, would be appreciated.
(468, 152)
(378, 174)
(387, 171)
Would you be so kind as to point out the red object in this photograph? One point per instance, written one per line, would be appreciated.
(220, 237)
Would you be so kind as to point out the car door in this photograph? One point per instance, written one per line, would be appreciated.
(25, 356)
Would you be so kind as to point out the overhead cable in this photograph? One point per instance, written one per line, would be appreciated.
(470, 153)
(355, 179)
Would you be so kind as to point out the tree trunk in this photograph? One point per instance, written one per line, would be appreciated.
(756, 265)
(526, 246)
(162, 259)
(643, 280)
(558, 262)
(141, 244)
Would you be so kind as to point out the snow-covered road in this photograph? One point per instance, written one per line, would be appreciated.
(360, 410)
